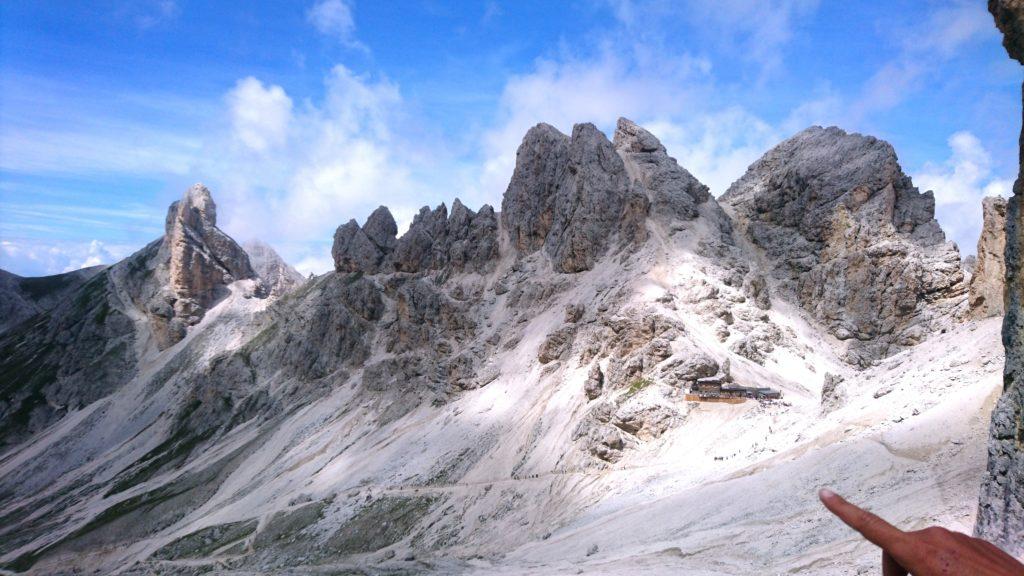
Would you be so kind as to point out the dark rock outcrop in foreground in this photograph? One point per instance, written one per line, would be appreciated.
(850, 238)
(1001, 505)
(988, 278)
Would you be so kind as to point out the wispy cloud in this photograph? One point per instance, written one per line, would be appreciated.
(44, 258)
(753, 30)
(260, 116)
(922, 48)
(147, 14)
(332, 160)
(50, 127)
(959, 183)
(334, 18)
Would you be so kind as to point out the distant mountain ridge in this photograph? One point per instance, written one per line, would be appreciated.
(21, 297)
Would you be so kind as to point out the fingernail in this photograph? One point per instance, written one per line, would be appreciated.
(825, 493)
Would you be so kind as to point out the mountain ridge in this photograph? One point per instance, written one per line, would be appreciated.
(438, 390)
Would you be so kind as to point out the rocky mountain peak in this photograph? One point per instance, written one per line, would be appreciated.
(196, 260)
(630, 137)
(278, 276)
(850, 237)
(571, 196)
(381, 229)
(673, 192)
(196, 209)
(462, 241)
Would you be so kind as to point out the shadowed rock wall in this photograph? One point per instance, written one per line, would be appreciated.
(1001, 505)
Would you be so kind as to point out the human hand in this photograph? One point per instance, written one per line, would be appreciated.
(933, 551)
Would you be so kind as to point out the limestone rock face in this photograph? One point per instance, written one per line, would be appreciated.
(199, 260)
(462, 241)
(1001, 504)
(1009, 15)
(42, 377)
(988, 279)
(673, 192)
(278, 276)
(353, 251)
(582, 196)
(570, 196)
(850, 238)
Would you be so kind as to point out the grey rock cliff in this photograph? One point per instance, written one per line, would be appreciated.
(194, 264)
(988, 278)
(1001, 504)
(462, 241)
(571, 196)
(672, 191)
(850, 238)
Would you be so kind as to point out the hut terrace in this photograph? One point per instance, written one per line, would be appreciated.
(716, 388)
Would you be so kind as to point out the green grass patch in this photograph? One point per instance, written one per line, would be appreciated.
(637, 385)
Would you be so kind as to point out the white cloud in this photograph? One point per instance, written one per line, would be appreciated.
(340, 160)
(959, 184)
(40, 258)
(717, 147)
(260, 116)
(95, 255)
(754, 30)
(636, 74)
(334, 18)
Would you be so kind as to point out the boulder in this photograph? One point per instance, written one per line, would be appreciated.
(557, 345)
(595, 382)
(832, 392)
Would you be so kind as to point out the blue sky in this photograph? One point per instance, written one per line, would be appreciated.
(300, 115)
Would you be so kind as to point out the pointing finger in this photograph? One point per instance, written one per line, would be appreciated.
(875, 529)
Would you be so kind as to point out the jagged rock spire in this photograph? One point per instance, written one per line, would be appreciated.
(200, 260)
(570, 196)
(462, 241)
(674, 193)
